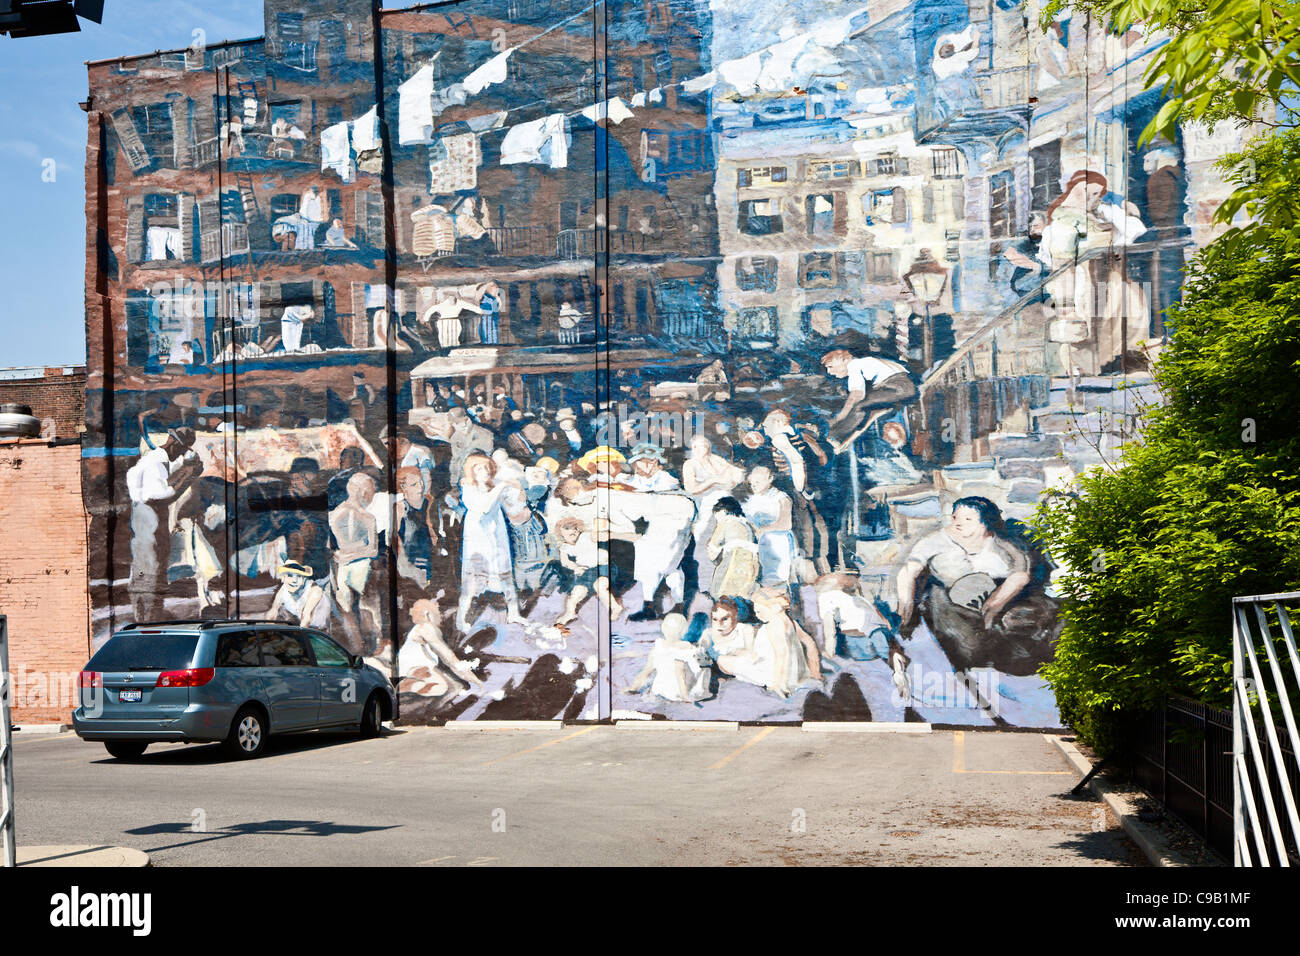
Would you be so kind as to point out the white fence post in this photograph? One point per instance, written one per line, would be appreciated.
(1257, 701)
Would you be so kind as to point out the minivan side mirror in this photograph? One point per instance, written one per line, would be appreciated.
(357, 662)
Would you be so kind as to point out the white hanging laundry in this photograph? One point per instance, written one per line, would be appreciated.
(954, 52)
(699, 84)
(415, 109)
(778, 72)
(365, 131)
(874, 99)
(742, 73)
(615, 110)
(453, 163)
(250, 111)
(657, 95)
(639, 99)
(618, 111)
(336, 151)
(541, 141)
(493, 71)
(163, 242)
(834, 31)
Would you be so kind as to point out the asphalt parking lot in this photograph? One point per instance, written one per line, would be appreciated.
(564, 794)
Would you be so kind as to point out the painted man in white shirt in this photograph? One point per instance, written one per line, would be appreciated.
(875, 387)
(291, 323)
(153, 483)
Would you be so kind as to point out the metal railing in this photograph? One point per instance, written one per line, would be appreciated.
(253, 145)
(685, 326)
(7, 831)
(579, 243)
(1182, 757)
(523, 240)
(1264, 772)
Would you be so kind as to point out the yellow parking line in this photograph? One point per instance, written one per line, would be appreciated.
(742, 748)
(959, 762)
(549, 743)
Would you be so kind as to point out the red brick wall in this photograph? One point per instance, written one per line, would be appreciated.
(57, 396)
(43, 575)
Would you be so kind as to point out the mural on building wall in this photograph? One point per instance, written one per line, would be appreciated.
(681, 359)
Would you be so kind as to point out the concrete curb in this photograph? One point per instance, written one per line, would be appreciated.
(678, 725)
(82, 856)
(1150, 840)
(36, 729)
(866, 727)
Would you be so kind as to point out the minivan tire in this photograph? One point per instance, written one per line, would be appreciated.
(371, 718)
(248, 734)
(125, 749)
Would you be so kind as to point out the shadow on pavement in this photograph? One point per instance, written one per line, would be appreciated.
(307, 828)
(280, 745)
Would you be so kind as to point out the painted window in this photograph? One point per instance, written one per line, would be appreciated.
(1045, 174)
(832, 171)
(758, 323)
(820, 214)
(760, 176)
(819, 270)
(945, 162)
(760, 217)
(756, 273)
(1002, 205)
(882, 267)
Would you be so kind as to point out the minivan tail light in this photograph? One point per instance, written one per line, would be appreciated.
(193, 677)
(90, 679)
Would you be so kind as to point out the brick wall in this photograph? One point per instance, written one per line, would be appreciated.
(43, 574)
(56, 395)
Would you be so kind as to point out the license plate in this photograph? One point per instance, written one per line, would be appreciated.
(128, 696)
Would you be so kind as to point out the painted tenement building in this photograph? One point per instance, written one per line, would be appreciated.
(634, 359)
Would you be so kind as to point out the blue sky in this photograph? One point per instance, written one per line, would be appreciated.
(42, 257)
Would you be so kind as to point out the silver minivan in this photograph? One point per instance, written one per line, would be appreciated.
(230, 681)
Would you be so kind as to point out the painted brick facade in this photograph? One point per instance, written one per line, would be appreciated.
(56, 395)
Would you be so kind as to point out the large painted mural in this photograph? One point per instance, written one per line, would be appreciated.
(686, 359)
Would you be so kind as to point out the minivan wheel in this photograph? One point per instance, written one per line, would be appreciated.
(247, 734)
(124, 749)
(371, 718)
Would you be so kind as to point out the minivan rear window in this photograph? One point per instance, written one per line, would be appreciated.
(135, 651)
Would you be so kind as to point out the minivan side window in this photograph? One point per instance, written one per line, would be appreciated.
(284, 649)
(238, 649)
(328, 654)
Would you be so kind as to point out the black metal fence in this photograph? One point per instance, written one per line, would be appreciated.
(1182, 757)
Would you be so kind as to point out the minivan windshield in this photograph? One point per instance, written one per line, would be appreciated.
(137, 651)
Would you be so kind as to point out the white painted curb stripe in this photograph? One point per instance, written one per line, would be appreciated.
(504, 725)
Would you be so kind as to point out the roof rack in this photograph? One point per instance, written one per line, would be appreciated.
(202, 624)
